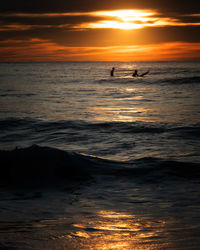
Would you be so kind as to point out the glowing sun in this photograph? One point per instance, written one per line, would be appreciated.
(122, 19)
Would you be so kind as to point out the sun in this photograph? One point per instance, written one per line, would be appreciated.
(114, 25)
(124, 13)
(122, 19)
(126, 20)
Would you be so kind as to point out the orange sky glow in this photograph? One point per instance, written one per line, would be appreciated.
(44, 49)
(131, 19)
(41, 50)
(116, 19)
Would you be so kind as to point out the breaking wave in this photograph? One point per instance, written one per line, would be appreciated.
(46, 166)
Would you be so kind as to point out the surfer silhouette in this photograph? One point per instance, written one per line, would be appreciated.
(135, 73)
(112, 72)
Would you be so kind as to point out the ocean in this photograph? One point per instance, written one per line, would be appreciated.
(90, 161)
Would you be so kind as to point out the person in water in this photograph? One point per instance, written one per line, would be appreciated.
(112, 72)
(135, 73)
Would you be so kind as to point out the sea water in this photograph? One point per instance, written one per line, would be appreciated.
(90, 161)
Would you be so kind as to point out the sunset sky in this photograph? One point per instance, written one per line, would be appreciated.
(105, 30)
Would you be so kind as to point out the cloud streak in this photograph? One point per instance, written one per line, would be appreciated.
(92, 30)
(43, 50)
(116, 19)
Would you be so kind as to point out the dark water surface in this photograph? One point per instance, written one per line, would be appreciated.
(91, 161)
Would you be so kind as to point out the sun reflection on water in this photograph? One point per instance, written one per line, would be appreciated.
(116, 230)
(126, 114)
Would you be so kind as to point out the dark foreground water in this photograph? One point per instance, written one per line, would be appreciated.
(90, 161)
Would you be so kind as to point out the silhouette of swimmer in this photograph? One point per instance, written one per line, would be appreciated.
(135, 73)
(112, 72)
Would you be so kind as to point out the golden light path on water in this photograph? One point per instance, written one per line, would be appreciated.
(128, 114)
(126, 109)
(116, 230)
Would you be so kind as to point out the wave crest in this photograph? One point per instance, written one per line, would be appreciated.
(45, 166)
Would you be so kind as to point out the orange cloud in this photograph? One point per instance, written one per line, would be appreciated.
(43, 50)
(131, 19)
(115, 19)
(22, 27)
